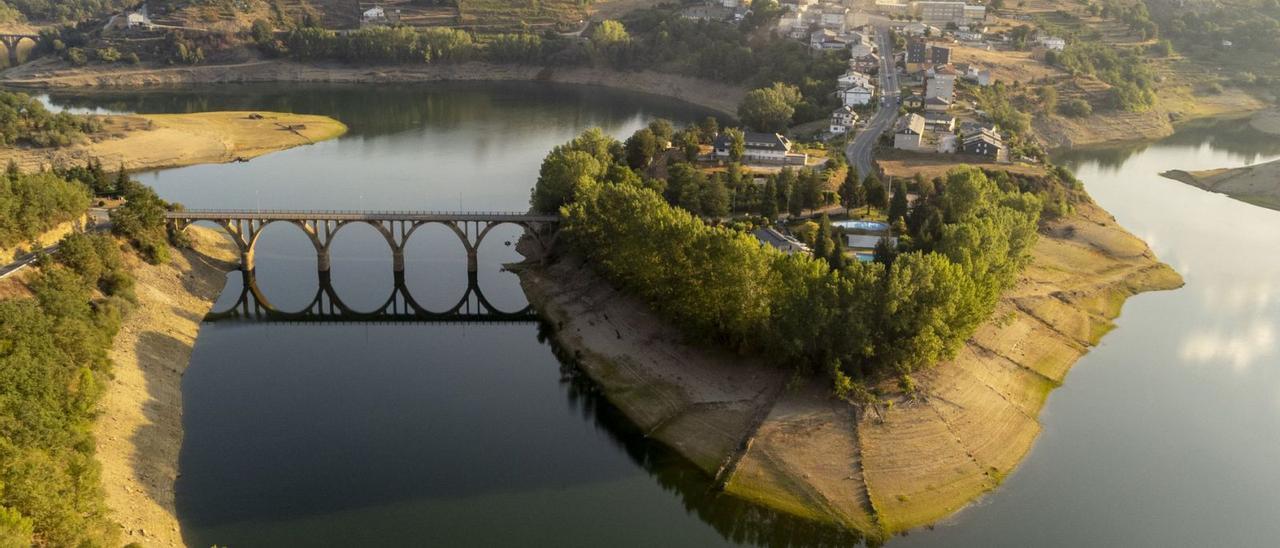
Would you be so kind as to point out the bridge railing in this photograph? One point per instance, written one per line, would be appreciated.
(367, 214)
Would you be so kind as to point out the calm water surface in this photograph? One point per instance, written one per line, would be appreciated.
(476, 435)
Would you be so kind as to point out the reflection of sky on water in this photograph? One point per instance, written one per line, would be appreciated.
(1163, 435)
(1245, 333)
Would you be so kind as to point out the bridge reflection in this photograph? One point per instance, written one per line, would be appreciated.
(399, 307)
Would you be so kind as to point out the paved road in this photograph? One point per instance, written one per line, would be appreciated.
(101, 221)
(859, 151)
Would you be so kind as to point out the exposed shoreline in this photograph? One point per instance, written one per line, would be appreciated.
(719, 97)
(138, 431)
(798, 450)
(160, 141)
(1256, 184)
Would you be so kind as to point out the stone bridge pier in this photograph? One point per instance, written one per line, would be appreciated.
(11, 42)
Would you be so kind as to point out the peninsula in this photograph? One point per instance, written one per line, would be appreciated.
(1257, 184)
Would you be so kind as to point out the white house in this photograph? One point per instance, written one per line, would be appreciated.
(851, 79)
(758, 147)
(374, 15)
(1053, 43)
(982, 77)
(857, 50)
(857, 95)
(735, 3)
(842, 120)
(909, 133)
(942, 84)
(834, 17)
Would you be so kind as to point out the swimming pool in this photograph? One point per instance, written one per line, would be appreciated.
(870, 226)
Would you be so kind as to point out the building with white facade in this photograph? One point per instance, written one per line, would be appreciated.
(857, 95)
(843, 120)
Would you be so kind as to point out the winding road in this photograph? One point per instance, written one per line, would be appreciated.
(101, 222)
(859, 152)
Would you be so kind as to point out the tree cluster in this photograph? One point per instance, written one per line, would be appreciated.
(25, 121)
(969, 240)
(32, 204)
(53, 367)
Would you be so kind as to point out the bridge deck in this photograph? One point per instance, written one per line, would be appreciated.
(318, 215)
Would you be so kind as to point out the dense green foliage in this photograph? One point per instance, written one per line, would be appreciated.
(722, 286)
(67, 10)
(53, 365)
(770, 109)
(1130, 77)
(141, 221)
(25, 121)
(33, 204)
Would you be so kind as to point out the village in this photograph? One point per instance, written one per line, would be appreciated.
(938, 119)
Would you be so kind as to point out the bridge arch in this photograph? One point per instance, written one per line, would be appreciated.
(12, 42)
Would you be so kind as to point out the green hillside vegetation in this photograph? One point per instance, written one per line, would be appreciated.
(53, 366)
(25, 121)
(896, 316)
(53, 357)
(31, 205)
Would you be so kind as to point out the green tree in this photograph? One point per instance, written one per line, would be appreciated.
(875, 193)
(610, 33)
(563, 173)
(641, 147)
(769, 109)
(898, 203)
(715, 198)
(737, 144)
(710, 127)
(769, 203)
(663, 131)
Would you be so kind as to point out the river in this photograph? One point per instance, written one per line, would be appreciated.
(476, 435)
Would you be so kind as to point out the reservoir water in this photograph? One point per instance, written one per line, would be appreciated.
(476, 435)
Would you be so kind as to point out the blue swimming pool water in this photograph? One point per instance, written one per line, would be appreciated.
(871, 226)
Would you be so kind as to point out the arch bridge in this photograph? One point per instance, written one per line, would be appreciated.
(11, 42)
(396, 227)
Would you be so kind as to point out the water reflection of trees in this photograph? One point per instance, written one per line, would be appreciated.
(371, 111)
(734, 519)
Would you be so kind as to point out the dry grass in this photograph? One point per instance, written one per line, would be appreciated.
(139, 426)
(156, 141)
(905, 164)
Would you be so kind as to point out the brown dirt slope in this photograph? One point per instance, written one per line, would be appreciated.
(798, 450)
(1258, 184)
(155, 141)
(139, 426)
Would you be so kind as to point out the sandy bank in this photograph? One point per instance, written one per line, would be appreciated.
(1257, 184)
(139, 427)
(157, 141)
(801, 452)
(44, 74)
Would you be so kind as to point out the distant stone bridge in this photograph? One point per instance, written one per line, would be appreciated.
(11, 42)
(245, 226)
